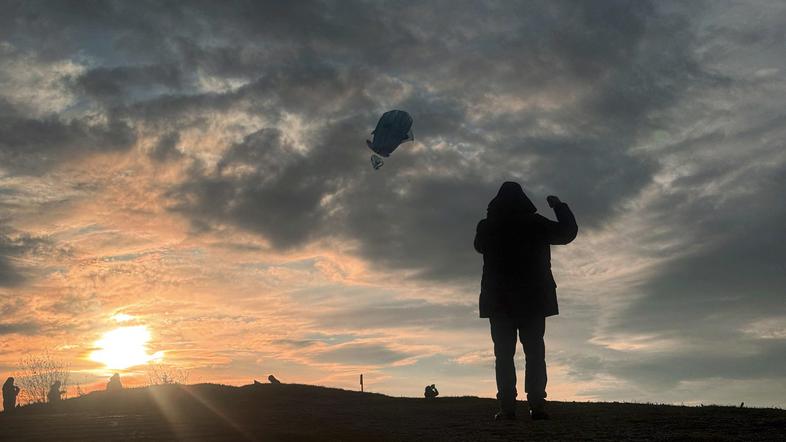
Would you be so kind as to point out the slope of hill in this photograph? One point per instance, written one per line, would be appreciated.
(302, 412)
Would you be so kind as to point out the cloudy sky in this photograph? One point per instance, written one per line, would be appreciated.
(196, 176)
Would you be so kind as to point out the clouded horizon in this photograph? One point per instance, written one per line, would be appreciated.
(200, 169)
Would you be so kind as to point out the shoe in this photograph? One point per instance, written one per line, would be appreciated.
(539, 415)
(505, 416)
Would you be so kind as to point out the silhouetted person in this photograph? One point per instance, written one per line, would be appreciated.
(518, 290)
(431, 391)
(10, 392)
(114, 385)
(273, 380)
(54, 394)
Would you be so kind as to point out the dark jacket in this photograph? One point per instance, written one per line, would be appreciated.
(54, 394)
(10, 391)
(515, 243)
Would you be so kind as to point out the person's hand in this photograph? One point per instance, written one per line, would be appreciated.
(552, 200)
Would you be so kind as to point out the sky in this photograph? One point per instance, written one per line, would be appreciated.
(188, 184)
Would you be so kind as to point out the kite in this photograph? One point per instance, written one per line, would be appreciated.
(393, 128)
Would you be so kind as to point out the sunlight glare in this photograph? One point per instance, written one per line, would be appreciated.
(124, 347)
(121, 317)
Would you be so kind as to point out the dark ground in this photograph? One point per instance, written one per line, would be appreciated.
(302, 412)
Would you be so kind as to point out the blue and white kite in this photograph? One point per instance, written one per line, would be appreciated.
(393, 128)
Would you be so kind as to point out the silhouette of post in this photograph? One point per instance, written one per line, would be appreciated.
(361, 382)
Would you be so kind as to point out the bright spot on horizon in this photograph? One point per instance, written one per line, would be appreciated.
(124, 347)
(122, 317)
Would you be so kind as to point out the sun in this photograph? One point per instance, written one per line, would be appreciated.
(124, 347)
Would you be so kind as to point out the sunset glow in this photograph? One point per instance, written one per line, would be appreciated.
(124, 347)
(189, 182)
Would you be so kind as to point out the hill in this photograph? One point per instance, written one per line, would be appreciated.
(302, 412)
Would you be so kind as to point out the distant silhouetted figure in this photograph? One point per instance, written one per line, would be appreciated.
(10, 392)
(114, 385)
(431, 392)
(54, 395)
(273, 380)
(518, 290)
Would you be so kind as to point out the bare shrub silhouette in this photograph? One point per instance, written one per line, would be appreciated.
(159, 373)
(37, 373)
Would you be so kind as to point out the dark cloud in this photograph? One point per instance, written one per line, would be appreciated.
(710, 301)
(751, 359)
(620, 62)
(166, 147)
(32, 145)
(73, 305)
(13, 246)
(119, 82)
(361, 353)
(12, 307)
(9, 276)
(110, 30)
(21, 328)
(395, 314)
(610, 57)
(280, 198)
(764, 361)
(737, 273)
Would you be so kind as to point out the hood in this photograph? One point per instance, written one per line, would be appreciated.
(510, 199)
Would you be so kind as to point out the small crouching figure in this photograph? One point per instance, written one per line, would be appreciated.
(10, 392)
(431, 391)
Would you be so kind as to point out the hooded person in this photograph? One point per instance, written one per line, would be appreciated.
(114, 385)
(10, 392)
(518, 290)
(54, 394)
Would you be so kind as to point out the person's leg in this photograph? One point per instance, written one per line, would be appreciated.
(531, 332)
(503, 333)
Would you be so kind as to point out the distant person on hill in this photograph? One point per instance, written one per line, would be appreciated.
(517, 291)
(114, 385)
(54, 395)
(431, 391)
(10, 392)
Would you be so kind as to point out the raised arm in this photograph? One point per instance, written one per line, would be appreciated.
(565, 229)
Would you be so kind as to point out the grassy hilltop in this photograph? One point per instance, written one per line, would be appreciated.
(303, 412)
